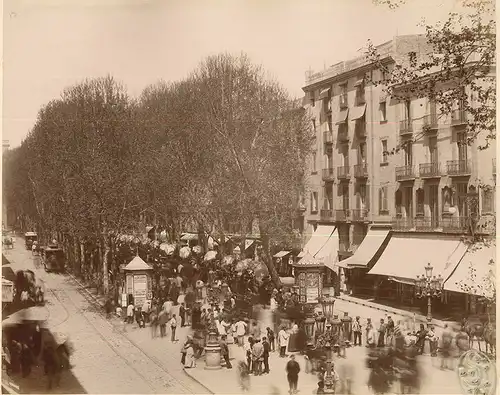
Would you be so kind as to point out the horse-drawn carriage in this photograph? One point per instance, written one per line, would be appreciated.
(29, 238)
(53, 258)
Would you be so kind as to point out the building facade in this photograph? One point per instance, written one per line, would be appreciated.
(386, 164)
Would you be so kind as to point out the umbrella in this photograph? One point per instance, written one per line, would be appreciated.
(227, 260)
(33, 313)
(185, 252)
(210, 255)
(259, 270)
(168, 248)
(244, 264)
(197, 249)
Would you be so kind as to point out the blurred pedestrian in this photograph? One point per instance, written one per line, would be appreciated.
(224, 351)
(356, 328)
(26, 360)
(445, 347)
(381, 333)
(292, 370)
(270, 337)
(130, 313)
(244, 376)
(248, 353)
(265, 356)
(421, 334)
(146, 311)
(182, 314)
(154, 324)
(189, 360)
(369, 326)
(162, 321)
(347, 326)
(173, 327)
(52, 366)
(255, 331)
(257, 357)
(390, 332)
(240, 327)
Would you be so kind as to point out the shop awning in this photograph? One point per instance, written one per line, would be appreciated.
(358, 112)
(475, 274)
(189, 236)
(137, 264)
(324, 93)
(318, 239)
(342, 117)
(329, 252)
(406, 256)
(367, 249)
(281, 254)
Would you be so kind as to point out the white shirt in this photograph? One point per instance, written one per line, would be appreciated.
(130, 310)
(282, 337)
(240, 328)
(172, 322)
(167, 306)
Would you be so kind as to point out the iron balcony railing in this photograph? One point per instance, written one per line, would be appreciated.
(361, 170)
(458, 117)
(405, 173)
(405, 127)
(402, 223)
(342, 215)
(326, 215)
(459, 167)
(327, 137)
(328, 174)
(429, 170)
(425, 224)
(343, 172)
(430, 121)
(360, 214)
(455, 224)
(343, 101)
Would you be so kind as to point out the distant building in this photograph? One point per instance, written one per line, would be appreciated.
(5, 145)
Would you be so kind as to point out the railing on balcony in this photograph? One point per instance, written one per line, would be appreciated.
(343, 134)
(361, 170)
(342, 215)
(326, 215)
(402, 223)
(328, 174)
(429, 170)
(430, 122)
(405, 127)
(459, 167)
(426, 224)
(455, 224)
(360, 215)
(343, 101)
(343, 172)
(327, 137)
(405, 173)
(458, 117)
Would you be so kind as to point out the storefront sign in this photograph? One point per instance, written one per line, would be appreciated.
(312, 295)
(7, 292)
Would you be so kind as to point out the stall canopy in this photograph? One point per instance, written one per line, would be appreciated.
(368, 248)
(323, 246)
(318, 239)
(281, 254)
(475, 274)
(406, 256)
(137, 264)
(358, 112)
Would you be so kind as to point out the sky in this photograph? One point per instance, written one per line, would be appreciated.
(52, 44)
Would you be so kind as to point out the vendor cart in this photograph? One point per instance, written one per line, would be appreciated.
(29, 238)
(53, 259)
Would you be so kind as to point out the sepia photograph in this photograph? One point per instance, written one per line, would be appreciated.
(249, 197)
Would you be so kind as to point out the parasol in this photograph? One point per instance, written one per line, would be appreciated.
(185, 252)
(197, 249)
(243, 265)
(33, 313)
(168, 248)
(210, 256)
(227, 260)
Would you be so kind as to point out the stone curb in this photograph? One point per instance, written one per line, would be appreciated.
(191, 376)
(390, 310)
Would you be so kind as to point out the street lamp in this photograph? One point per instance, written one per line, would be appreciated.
(428, 286)
(329, 380)
(327, 304)
(320, 323)
(309, 328)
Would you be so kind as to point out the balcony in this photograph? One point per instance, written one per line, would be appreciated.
(455, 224)
(360, 128)
(426, 224)
(430, 122)
(402, 224)
(343, 172)
(405, 127)
(429, 170)
(360, 99)
(327, 137)
(343, 101)
(343, 134)
(342, 215)
(405, 173)
(458, 117)
(360, 215)
(326, 215)
(328, 174)
(457, 168)
(361, 170)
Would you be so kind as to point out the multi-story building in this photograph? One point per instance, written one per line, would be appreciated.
(385, 169)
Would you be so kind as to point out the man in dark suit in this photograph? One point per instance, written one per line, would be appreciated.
(267, 348)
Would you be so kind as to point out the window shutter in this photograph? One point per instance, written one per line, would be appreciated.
(311, 203)
(380, 200)
(367, 198)
(385, 198)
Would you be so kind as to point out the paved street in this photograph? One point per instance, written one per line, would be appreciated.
(105, 361)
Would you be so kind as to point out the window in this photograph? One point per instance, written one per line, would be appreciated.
(433, 152)
(345, 155)
(488, 201)
(420, 202)
(408, 152)
(385, 153)
(313, 164)
(314, 202)
(383, 206)
(345, 196)
(407, 110)
(462, 147)
(362, 153)
(383, 111)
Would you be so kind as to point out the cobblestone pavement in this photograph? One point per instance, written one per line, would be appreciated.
(105, 361)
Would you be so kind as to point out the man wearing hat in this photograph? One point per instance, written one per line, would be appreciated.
(356, 330)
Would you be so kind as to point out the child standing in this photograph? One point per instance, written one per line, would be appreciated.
(173, 327)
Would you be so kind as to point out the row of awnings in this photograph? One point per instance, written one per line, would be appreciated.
(464, 268)
(356, 113)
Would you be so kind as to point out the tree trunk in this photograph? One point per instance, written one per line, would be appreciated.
(266, 250)
(76, 254)
(82, 258)
(107, 248)
(202, 239)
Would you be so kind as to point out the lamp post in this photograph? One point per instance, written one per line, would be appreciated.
(428, 286)
(327, 304)
(309, 328)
